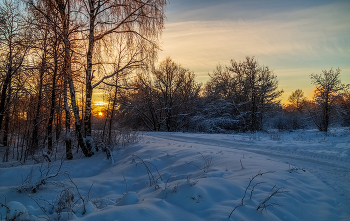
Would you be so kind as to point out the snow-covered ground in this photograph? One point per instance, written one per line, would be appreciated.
(302, 175)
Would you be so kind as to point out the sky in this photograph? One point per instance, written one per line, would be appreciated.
(293, 38)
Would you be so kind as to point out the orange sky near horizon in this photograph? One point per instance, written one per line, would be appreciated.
(295, 39)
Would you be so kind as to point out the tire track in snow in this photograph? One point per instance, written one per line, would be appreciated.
(332, 171)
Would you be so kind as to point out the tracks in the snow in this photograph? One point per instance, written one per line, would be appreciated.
(330, 170)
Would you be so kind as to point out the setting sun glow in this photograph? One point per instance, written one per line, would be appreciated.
(294, 38)
(100, 114)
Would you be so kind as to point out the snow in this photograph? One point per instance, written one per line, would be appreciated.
(187, 176)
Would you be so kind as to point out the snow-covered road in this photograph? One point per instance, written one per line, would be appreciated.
(302, 175)
(326, 156)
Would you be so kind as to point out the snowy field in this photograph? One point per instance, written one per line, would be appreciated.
(302, 175)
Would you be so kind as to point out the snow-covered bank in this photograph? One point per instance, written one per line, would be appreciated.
(182, 176)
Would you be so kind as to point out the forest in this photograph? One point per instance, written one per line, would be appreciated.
(57, 55)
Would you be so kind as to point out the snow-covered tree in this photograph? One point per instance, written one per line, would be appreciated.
(251, 87)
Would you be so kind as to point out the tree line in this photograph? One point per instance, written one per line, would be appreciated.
(330, 103)
(241, 97)
(56, 53)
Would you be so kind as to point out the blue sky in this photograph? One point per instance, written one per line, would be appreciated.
(294, 38)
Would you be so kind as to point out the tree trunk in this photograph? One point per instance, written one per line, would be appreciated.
(87, 152)
(58, 129)
(7, 83)
(112, 111)
(6, 128)
(89, 77)
(87, 119)
(53, 103)
(68, 74)
(326, 112)
(36, 124)
(68, 138)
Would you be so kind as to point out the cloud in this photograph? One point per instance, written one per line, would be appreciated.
(310, 38)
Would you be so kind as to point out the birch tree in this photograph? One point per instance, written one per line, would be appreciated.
(140, 21)
(66, 22)
(55, 42)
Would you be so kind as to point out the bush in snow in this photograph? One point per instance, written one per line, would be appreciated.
(15, 211)
(288, 121)
(223, 124)
(39, 175)
(264, 203)
(216, 116)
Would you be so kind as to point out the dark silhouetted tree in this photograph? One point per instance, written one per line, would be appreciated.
(297, 99)
(250, 87)
(328, 89)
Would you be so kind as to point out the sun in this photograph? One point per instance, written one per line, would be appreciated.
(100, 114)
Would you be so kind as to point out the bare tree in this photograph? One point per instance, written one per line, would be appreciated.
(66, 23)
(49, 49)
(250, 87)
(165, 97)
(328, 89)
(55, 42)
(174, 85)
(14, 47)
(297, 99)
(140, 21)
(42, 48)
(142, 104)
(346, 106)
(222, 84)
